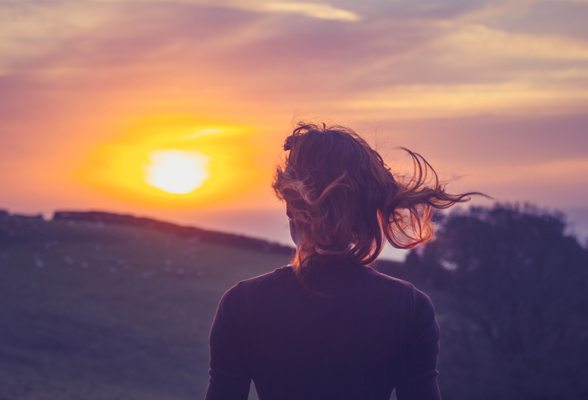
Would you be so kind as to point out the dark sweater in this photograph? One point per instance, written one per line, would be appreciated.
(361, 336)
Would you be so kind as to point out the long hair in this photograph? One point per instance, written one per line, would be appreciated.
(344, 202)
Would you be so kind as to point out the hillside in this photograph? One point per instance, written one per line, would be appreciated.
(94, 310)
(106, 306)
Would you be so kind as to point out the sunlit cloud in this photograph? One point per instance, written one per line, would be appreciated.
(431, 101)
(203, 132)
(315, 10)
(24, 28)
(309, 9)
(479, 43)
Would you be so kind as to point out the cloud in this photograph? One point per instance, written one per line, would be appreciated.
(481, 43)
(29, 30)
(432, 101)
(203, 132)
(442, 63)
(308, 9)
(314, 10)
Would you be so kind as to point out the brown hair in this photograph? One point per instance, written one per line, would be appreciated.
(344, 202)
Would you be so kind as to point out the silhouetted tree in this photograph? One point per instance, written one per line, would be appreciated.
(523, 282)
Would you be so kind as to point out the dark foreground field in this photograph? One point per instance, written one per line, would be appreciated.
(99, 311)
(104, 311)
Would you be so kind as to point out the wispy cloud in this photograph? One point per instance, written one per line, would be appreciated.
(434, 101)
(315, 10)
(319, 10)
(203, 132)
(476, 43)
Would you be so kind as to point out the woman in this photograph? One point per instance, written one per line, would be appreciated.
(328, 326)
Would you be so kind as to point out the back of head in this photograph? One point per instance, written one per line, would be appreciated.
(344, 202)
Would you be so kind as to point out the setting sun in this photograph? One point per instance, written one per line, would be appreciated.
(175, 161)
(176, 171)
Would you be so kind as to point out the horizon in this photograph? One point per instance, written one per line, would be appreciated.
(281, 234)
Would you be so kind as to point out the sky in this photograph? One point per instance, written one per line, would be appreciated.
(94, 95)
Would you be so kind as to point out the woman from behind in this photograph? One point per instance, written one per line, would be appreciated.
(328, 326)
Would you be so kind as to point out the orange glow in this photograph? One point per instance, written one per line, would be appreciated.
(175, 161)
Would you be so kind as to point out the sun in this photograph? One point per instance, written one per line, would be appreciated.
(176, 162)
(176, 171)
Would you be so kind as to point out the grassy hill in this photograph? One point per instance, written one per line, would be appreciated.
(104, 311)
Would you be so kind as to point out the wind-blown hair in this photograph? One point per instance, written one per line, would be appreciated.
(344, 202)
